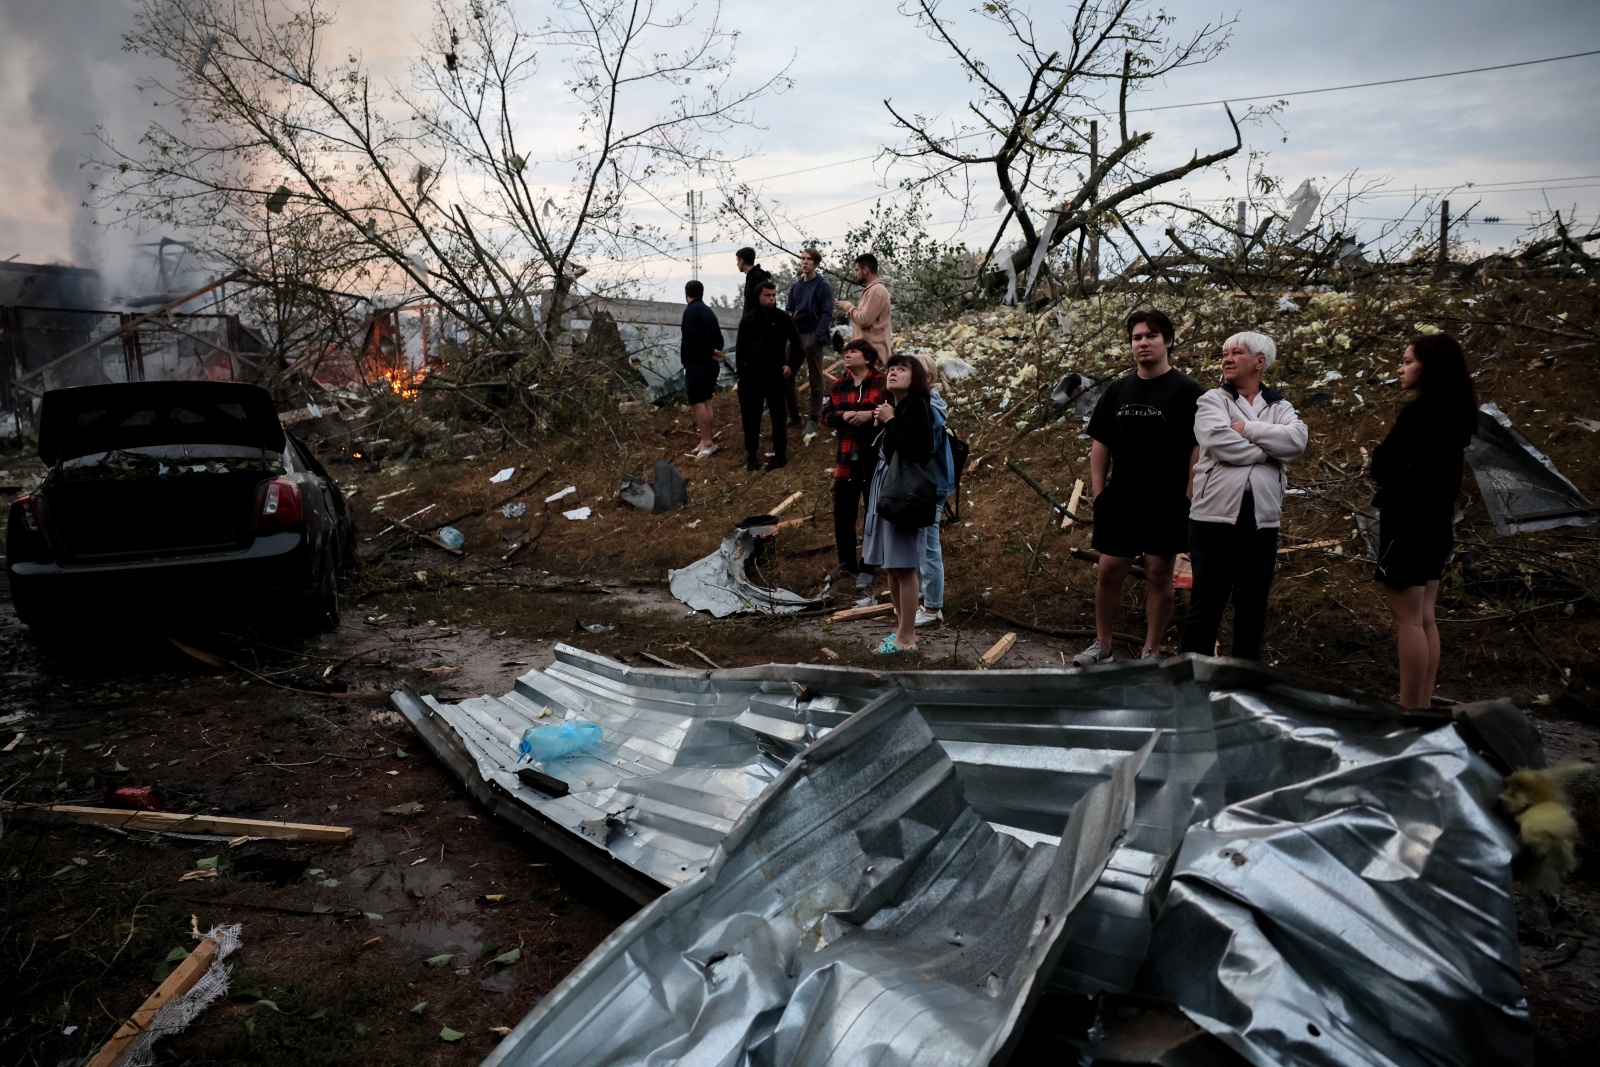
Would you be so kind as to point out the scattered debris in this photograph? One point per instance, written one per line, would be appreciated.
(503, 476)
(663, 661)
(998, 652)
(1522, 489)
(869, 611)
(568, 491)
(193, 985)
(719, 583)
(668, 491)
(450, 538)
(406, 810)
(577, 514)
(514, 511)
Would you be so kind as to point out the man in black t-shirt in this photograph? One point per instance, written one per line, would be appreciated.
(1140, 463)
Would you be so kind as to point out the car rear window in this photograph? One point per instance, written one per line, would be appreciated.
(97, 419)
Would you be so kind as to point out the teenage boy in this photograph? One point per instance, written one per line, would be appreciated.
(754, 277)
(1141, 463)
(851, 402)
(768, 351)
(810, 304)
(702, 362)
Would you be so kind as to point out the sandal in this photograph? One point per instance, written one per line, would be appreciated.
(707, 453)
(889, 647)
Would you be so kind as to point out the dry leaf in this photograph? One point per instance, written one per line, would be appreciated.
(195, 876)
(440, 670)
(501, 1030)
(411, 807)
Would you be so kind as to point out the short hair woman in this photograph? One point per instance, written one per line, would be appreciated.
(1418, 468)
(896, 550)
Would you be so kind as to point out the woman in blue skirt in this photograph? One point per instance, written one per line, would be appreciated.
(896, 551)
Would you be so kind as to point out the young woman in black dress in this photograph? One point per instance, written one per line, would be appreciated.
(1418, 470)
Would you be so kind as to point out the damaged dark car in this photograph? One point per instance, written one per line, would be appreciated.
(176, 499)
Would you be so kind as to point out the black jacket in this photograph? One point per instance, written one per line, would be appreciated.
(702, 333)
(767, 341)
(752, 287)
(1418, 467)
(910, 433)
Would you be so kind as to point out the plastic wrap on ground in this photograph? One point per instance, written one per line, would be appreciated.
(1308, 876)
(1522, 489)
(720, 584)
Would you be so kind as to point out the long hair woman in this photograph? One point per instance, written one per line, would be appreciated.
(1418, 468)
(907, 421)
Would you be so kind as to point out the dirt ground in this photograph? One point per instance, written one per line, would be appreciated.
(344, 953)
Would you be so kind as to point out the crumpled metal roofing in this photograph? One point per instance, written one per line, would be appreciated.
(1522, 489)
(719, 583)
(861, 912)
(1306, 875)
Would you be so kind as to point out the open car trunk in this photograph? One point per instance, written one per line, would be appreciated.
(156, 468)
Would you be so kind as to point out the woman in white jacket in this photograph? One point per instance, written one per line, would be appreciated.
(1246, 434)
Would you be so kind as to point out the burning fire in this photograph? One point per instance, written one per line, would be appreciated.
(405, 383)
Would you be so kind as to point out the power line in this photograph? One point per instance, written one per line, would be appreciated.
(1368, 85)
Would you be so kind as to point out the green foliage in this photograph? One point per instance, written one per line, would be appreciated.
(928, 279)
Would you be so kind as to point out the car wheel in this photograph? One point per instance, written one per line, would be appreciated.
(324, 612)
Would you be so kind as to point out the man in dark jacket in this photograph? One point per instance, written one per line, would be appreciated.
(768, 352)
(754, 277)
(810, 304)
(702, 362)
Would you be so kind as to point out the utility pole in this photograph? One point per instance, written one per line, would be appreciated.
(694, 238)
(1094, 193)
(1444, 238)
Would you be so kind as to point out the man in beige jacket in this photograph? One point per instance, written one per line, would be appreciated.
(871, 316)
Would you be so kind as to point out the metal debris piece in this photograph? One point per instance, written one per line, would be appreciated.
(668, 491)
(1363, 905)
(720, 584)
(1521, 487)
(860, 912)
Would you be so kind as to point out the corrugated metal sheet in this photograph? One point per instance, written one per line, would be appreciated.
(1522, 489)
(1308, 876)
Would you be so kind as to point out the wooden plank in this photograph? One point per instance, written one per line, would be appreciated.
(873, 611)
(997, 653)
(664, 662)
(1072, 505)
(787, 501)
(1313, 544)
(189, 824)
(180, 981)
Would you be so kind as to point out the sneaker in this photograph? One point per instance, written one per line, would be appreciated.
(928, 618)
(1091, 655)
(776, 462)
(752, 464)
(809, 428)
(863, 580)
(1150, 653)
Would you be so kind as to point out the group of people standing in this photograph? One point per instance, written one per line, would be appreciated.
(1174, 467)
(883, 407)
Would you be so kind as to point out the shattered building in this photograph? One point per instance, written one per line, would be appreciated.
(58, 329)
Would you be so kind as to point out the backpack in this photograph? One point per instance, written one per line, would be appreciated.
(949, 460)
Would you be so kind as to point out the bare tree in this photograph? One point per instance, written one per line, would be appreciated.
(1033, 126)
(430, 188)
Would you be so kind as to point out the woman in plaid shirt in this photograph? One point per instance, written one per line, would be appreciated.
(849, 407)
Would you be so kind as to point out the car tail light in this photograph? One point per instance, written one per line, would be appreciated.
(24, 507)
(280, 505)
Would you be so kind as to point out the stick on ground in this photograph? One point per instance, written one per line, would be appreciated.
(173, 821)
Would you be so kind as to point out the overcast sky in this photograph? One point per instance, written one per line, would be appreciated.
(62, 72)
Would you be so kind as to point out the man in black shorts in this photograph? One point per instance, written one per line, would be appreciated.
(702, 362)
(1141, 462)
